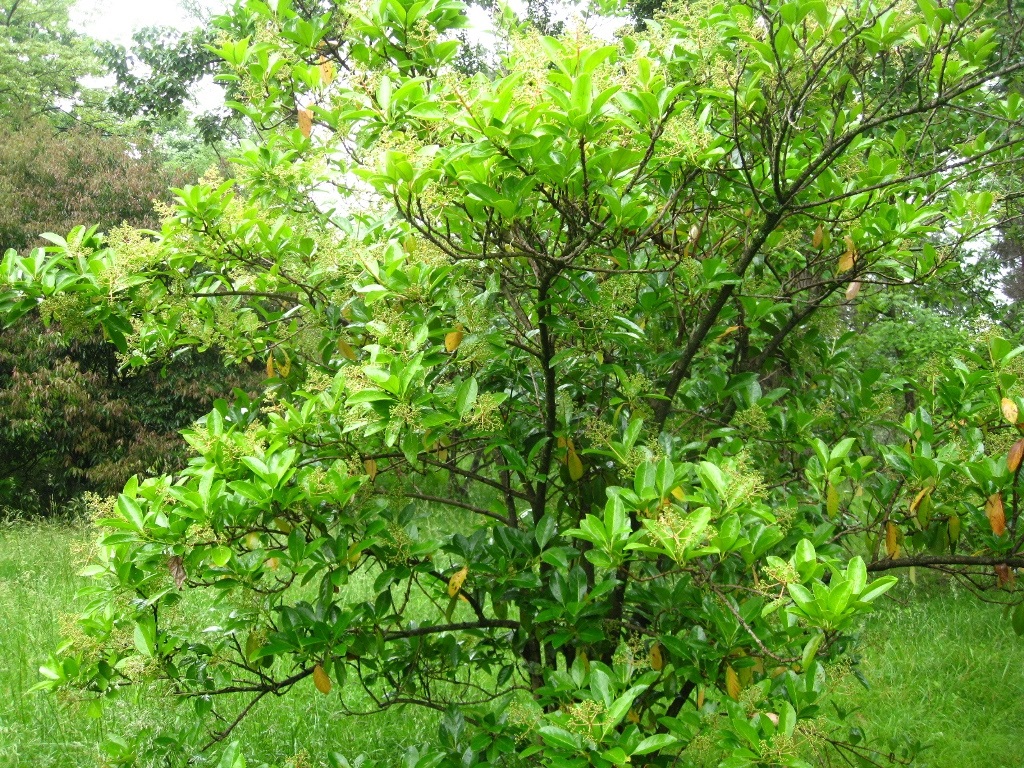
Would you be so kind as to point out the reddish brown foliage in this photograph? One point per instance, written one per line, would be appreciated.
(52, 181)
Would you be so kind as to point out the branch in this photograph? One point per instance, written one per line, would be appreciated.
(936, 561)
(458, 627)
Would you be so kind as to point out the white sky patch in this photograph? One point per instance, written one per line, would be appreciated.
(116, 20)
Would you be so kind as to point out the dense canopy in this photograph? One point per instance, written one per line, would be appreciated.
(566, 432)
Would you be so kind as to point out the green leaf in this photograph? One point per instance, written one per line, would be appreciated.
(466, 397)
(654, 743)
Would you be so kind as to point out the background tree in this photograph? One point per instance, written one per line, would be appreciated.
(71, 421)
(563, 437)
(42, 59)
(52, 181)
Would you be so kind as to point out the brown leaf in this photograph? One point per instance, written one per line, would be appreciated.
(452, 341)
(996, 514)
(852, 290)
(306, 122)
(1009, 409)
(819, 236)
(457, 580)
(732, 683)
(321, 680)
(177, 569)
(892, 539)
(1013, 458)
(1005, 575)
(657, 658)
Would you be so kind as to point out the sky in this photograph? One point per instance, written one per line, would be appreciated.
(116, 20)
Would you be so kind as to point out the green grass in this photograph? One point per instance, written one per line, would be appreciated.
(947, 670)
(942, 667)
(37, 588)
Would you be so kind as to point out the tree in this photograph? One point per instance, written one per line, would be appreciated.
(42, 59)
(52, 181)
(561, 435)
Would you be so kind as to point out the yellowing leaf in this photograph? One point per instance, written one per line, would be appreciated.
(849, 257)
(327, 72)
(677, 494)
(917, 499)
(953, 531)
(633, 717)
(1009, 409)
(892, 539)
(346, 350)
(732, 683)
(321, 680)
(575, 465)
(457, 580)
(832, 500)
(657, 658)
(727, 332)
(285, 368)
(270, 367)
(306, 122)
(1013, 458)
(273, 563)
(252, 644)
(453, 340)
(700, 697)
(370, 465)
(996, 514)
(852, 290)
(282, 525)
(819, 236)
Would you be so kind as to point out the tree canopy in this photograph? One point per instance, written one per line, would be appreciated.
(42, 59)
(565, 433)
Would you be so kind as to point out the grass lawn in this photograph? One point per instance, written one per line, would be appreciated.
(947, 670)
(942, 667)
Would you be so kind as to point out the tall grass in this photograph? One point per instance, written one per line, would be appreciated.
(947, 670)
(942, 667)
(38, 564)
